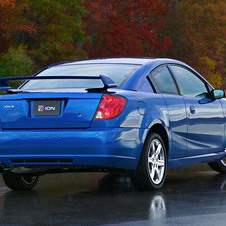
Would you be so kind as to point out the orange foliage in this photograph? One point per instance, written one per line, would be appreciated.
(12, 21)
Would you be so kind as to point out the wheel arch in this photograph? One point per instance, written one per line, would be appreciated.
(159, 127)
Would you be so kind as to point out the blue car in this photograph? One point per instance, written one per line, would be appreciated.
(142, 116)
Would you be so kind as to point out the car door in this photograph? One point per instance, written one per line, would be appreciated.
(164, 83)
(205, 115)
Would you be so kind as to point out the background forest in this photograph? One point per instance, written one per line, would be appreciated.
(36, 33)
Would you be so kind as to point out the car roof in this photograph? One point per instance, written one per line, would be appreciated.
(138, 61)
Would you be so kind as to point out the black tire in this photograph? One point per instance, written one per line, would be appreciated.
(19, 182)
(219, 166)
(145, 176)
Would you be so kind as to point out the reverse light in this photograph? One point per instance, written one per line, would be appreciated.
(110, 106)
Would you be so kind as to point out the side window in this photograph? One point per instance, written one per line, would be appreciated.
(189, 84)
(164, 80)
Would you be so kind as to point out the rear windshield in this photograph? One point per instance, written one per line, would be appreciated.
(119, 73)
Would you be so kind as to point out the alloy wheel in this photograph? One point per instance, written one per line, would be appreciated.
(156, 161)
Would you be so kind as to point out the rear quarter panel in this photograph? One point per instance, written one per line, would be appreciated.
(143, 110)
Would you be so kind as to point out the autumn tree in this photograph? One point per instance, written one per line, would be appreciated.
(125, 28)
(35, 33)
(207, 29)
(198, 31)
(12, 22)
(46, 31)
(14, 59)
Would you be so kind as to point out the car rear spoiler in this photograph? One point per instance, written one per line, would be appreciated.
(107, 82)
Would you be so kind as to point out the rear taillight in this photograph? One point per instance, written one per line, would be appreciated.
(110, 106)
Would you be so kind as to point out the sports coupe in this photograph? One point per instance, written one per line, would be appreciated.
(141, 116)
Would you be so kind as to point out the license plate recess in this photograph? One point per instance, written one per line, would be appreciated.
(46, 107)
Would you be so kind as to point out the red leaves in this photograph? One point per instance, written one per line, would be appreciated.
(29, 28)
(119, 28)
(7, 3)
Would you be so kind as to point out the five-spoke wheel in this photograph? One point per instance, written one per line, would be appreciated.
(151, 171)
(156, 161)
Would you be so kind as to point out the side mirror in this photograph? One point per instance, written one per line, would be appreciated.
(218, 94)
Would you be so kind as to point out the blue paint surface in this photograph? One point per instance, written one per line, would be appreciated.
(195, 126)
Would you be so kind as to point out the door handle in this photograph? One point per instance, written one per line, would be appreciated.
(192, 109)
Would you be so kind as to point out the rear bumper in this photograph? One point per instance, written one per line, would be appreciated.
(108, 147)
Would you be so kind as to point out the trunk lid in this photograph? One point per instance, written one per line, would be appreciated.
(48, 110)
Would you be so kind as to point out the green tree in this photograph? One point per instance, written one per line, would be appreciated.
(59, 34)
(15, 63)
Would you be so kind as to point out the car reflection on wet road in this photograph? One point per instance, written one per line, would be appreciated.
(190, 196)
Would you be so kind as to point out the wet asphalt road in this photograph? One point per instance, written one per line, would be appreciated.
(191, 196)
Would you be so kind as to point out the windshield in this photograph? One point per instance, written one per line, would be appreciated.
(119, 73)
